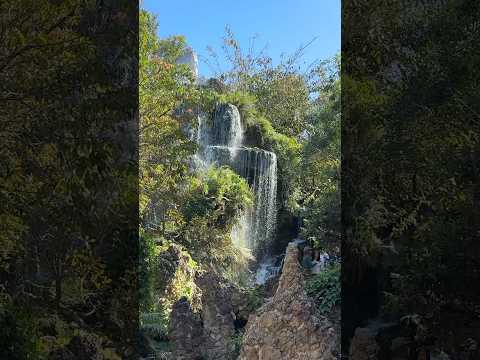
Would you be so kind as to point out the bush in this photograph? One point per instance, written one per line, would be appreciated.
(219, 194)
(155, 325)
(255, 298)
(325, 288)
(237, 342)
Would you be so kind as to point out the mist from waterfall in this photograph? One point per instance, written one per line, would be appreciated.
(220, 143)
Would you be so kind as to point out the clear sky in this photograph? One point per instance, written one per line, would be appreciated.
(282, 25)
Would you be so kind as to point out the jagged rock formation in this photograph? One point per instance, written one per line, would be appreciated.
(218, 316)
(186, 332)
(286, 327)
(208, 332)
(174, 276)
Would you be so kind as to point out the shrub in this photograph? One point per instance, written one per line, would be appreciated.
(218, 193)
(236, 342)
(325, 288)
(255, 298)
(155, 325)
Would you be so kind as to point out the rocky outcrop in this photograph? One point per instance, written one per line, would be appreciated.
(189, 58)
(218, 316)
(186, 331)
(175, 275)
(287, 327)
(208, 333)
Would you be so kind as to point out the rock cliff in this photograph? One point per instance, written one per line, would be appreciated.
(207, 332)
(287, 327)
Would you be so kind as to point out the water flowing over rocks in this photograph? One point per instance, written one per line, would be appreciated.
(221, 141)
(287, 327)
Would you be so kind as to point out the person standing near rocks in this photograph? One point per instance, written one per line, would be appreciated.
(307, 262)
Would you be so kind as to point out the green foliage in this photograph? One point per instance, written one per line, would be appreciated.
(287, 149)
(209, 98)
(297, 116)
(410, 158)
(213, 203)
(325, 288)
(177, 205)
(146, 273)
(67, 185)
(19, 336)
(164, 146)
(155, 325)
(219, 194)
(319, 195)
(174, 277)
(199, 209)
(236, 342)
(281, 91)
(255, 297)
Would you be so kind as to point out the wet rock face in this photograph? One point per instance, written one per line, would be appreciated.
(287, 327)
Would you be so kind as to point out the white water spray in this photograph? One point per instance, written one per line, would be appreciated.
(220, 142)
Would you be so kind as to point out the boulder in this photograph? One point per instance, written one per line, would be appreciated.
(189, 58)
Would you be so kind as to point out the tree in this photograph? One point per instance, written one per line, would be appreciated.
(319, 181)
(281, 91)
(69, 184)
(164, 146)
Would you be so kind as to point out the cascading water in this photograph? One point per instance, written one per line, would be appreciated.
(220, 143)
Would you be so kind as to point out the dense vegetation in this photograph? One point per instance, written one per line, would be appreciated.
(410, 176)
(285, 110)
(325, 288)
(67, 176)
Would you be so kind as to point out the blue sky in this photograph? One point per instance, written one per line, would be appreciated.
(282, 25)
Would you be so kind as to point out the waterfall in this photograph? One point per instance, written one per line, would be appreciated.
(220, 143)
